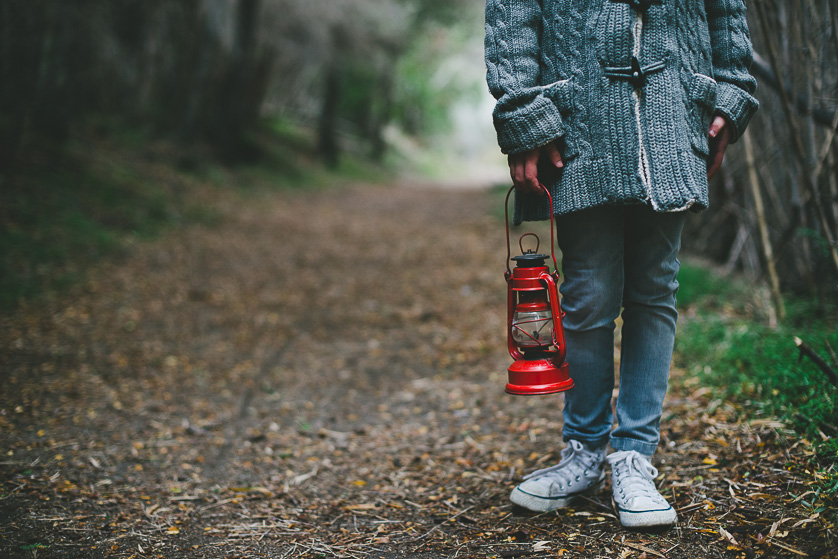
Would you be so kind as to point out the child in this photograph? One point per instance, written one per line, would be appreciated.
(623, 109)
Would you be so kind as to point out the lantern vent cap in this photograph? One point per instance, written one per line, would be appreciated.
(530, 259)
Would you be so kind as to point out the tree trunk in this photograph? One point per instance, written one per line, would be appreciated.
(327, 143)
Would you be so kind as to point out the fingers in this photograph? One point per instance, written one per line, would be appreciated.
(719, 139)
(717, 125)
(554, 155)
(523, 167)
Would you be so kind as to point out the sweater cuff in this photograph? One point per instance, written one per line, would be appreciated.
(537, 124)
(738, 106)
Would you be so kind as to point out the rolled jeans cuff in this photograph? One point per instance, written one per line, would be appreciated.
(589, 443)
(622, 443)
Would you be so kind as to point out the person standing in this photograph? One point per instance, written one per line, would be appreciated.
(623, 109)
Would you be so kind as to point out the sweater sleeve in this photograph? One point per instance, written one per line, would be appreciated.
(524, 116)
(732, 57)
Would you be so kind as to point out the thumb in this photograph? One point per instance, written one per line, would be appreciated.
(553, 153)
(717, 125)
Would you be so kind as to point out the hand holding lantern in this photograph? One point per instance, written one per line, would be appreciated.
(534, 325)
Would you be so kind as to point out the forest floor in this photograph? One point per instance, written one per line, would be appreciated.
(321, 374)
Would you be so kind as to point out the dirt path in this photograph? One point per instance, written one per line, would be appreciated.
(322, 375)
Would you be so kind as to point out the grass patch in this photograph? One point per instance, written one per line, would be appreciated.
(60, 219)
(64, 208)
(725, 342)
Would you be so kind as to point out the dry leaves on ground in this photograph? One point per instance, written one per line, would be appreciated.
(322, 376)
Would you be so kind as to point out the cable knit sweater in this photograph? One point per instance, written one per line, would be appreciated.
(627, 87)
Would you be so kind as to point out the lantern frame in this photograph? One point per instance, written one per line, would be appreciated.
(536, 369)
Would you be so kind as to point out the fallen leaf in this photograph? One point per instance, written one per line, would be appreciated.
(541, 546)
(363, 506)
(727, 536)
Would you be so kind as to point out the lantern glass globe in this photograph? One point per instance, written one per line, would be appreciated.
(532, 328)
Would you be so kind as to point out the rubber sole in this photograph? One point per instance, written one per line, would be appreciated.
(537, 503)
(646, 518)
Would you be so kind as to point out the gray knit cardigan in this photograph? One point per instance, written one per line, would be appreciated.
(627, 87)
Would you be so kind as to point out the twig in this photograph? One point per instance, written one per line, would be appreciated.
(213, 505)
(289, 552)
(428, 533)
(831, 352)
(813, 355)
(773, 541)
(692, 506)
(642, 548)
(762, 70)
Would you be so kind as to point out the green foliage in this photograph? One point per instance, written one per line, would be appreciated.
(34, 546)
(818, 241)
(60, 219)
(93, 200)
(420, 106)
(696, 283)
(723, 342)
(436, 72)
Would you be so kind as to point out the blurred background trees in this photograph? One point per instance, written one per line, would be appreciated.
(774, 209)
(206, 70)
(364, 76)
(118, 117)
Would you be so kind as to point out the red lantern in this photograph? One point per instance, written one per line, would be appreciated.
(534, 333)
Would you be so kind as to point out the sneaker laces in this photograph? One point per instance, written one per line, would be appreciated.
(634, 475)
(576, 462)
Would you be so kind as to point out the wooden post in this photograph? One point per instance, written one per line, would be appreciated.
(767, 249)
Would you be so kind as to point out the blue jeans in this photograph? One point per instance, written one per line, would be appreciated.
(613, 258)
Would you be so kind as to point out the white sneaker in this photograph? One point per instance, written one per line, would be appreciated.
(581, 471)
(633, 489)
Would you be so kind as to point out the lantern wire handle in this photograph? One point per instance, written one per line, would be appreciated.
(552, 230)
(521, 242)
